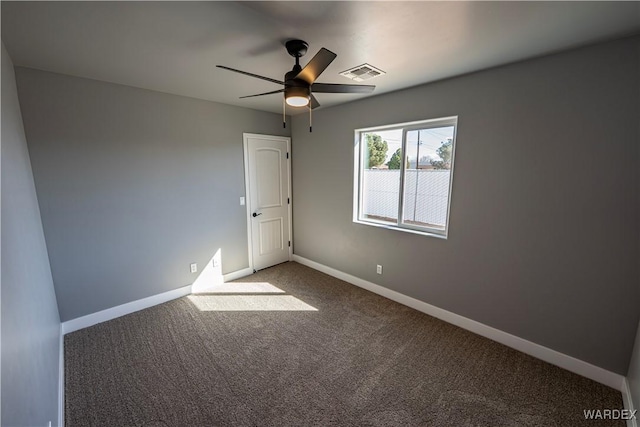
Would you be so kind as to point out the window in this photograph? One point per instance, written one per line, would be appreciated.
(403, 175)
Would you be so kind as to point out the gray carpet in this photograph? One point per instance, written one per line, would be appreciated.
(313, 351)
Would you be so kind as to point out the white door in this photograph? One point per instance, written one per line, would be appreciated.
(267, 175)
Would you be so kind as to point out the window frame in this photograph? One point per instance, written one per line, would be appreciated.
(359, 162)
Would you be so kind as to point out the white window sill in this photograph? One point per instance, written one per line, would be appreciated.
(405, 230)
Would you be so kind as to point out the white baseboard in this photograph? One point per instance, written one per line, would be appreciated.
(237, 274)
(554, 357)
(133, 306)
(121, 310)
(628, 403)
(61, 380)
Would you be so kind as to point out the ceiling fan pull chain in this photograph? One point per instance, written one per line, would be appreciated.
(310, 122)
(284, 115)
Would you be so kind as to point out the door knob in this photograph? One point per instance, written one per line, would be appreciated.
(256, 214)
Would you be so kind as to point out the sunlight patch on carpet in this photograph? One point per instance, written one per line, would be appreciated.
(249, 303)
(242, 288)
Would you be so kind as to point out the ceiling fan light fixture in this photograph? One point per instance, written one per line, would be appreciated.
(297, 96)
(297, 101)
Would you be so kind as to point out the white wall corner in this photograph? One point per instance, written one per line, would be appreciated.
(61, 380)
(627, 402)
(595, 373)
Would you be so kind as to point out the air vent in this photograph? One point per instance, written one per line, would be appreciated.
(362, 72)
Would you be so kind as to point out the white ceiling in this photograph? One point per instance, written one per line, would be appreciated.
(173, 47)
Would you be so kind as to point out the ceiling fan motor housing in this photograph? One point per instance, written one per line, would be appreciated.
(296, 48)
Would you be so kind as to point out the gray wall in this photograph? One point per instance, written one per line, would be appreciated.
(134, 185)
(30, 322)
(543, 239)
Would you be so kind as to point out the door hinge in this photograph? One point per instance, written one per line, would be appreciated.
(289, 243)
(288, 201)
(287, 155)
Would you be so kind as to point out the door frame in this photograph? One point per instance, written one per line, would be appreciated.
(247, 190)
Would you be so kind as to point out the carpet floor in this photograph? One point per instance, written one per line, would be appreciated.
(290, 346)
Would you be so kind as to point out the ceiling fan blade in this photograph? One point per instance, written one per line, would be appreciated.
(266, 93)
(316, 66)
(314, 102)
(251, 75)
(339, 88)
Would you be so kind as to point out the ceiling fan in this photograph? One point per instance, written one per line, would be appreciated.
(299, 83)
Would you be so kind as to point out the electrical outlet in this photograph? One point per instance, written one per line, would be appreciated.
(194, 267)
(379, 269)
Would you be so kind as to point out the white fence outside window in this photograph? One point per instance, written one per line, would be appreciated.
(425, 199)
